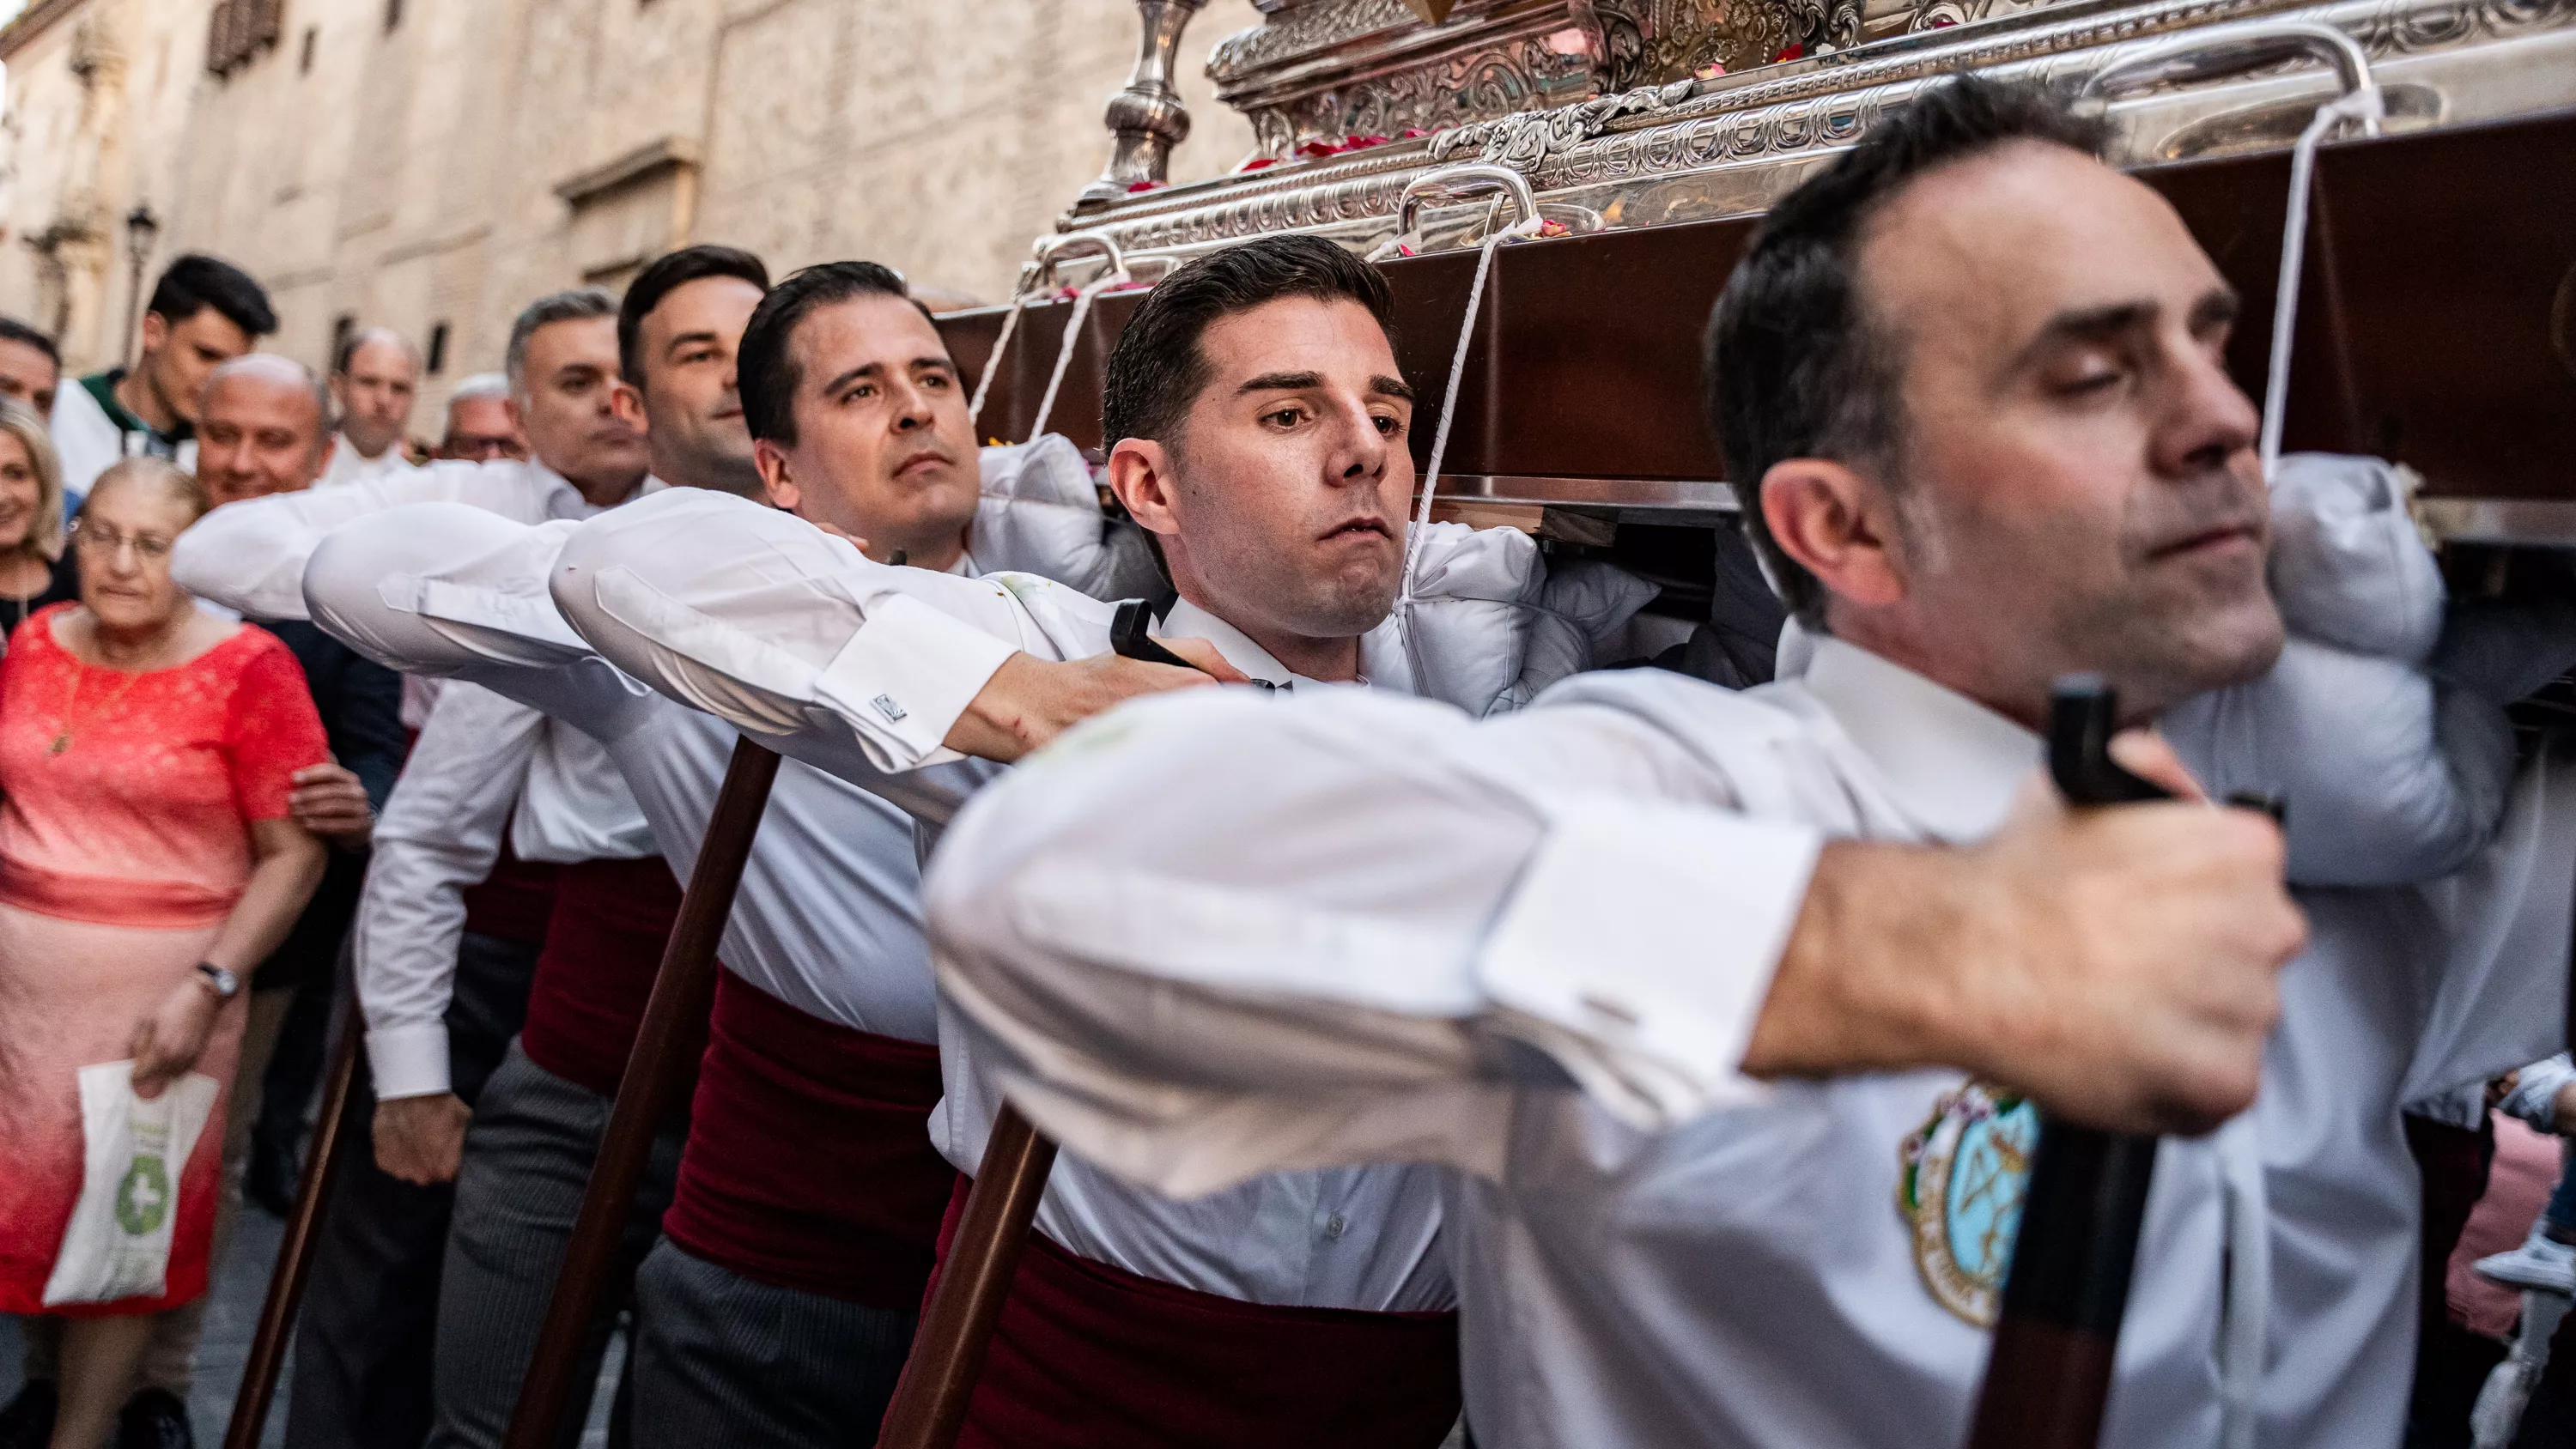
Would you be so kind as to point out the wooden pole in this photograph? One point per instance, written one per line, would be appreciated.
(929, 1405)
(295, 1255)
(683, 994)
(2048, 1376)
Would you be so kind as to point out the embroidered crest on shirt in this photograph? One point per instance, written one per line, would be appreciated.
(1962, 1177)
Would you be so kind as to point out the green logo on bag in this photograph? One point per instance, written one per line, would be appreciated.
(143, 1196)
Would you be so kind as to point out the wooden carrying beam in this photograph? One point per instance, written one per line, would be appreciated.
(683, 994)
(929, 1405)
(331, 1137)
(2437, 323)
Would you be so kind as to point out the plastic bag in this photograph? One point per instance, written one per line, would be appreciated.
(118, 1242)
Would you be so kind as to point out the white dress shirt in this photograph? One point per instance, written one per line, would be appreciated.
(1531, 950)
(860, 668)
(442, 826)
(348, 466)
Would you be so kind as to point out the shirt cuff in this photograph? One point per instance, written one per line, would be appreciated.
(907, 675)
(409, 1061)
(1639, 946)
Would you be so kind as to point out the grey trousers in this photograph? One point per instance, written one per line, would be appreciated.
(719, 1358)
(364, 1338)
(527, 1160)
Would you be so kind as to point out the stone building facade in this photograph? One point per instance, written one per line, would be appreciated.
(432, 164)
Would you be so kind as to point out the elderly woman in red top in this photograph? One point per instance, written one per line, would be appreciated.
(146, 860)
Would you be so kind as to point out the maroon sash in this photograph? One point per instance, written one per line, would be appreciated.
(603, 947)
(513, 902)
(1088, 1356)
(809, 1163)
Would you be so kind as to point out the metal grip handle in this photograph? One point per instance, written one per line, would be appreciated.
(2218, 51)
(1470, 178)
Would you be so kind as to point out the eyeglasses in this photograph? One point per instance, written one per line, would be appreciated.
(104, 542)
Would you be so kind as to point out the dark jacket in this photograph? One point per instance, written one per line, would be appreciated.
(360, 702)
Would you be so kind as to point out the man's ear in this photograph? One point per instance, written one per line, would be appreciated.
(774, 474)
(627, 401)
(156, 331)
(1140, 474)
(1838, 525)
(322, 458)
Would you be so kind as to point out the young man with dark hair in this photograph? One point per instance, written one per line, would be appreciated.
(498, 1083)
(1592, 958)
(375, 378)
(203, 312)
(30, 366)
(677, 329)
(808, 1196)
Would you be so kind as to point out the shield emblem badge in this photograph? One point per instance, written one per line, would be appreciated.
(1962, 1179)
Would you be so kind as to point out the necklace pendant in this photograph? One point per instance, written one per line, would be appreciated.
(61, 743)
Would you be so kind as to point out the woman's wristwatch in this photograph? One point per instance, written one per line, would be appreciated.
(223, 983)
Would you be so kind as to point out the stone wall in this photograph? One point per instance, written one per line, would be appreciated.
(425, 162)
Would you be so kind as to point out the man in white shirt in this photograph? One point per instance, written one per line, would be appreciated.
(1291, 413)
(518, 1170)
(374, 381)
(203, 312)
(1974, 381)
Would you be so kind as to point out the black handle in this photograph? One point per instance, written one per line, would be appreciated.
(1127, 636)
(2049, 1376)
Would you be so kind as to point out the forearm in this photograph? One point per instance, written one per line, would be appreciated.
(279, 886)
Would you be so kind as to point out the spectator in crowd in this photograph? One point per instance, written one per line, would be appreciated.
(482, 425)
(264, 428)
(30, 367)
(147, 751)
(374, 380)
(203, 313)
(33, 569)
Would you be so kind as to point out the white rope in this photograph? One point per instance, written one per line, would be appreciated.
(2360, 106)
(1449, 396)
(1527, 226)
(993, 364)
(1072, 339)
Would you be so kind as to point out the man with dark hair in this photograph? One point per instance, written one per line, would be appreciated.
(537, 1039)
(677, 329)
(780, 1302)
(203, 312)
(374, 379)
(30, 367)
(1732, 1080)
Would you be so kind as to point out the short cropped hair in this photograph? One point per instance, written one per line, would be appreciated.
(161, 473)
(480, 385)
(573, 304)
(666, 274)
(347, 352)
(13, 330)
(1157, 370)
(271, 365)
(1794, 367)
(195, 282)
(765, 366)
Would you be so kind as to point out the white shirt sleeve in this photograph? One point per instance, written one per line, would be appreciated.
(1210, 935)
(456, 592)
(796, 638)
(250, 556)
(439, 834)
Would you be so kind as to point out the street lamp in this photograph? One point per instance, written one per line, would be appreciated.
(141, 229)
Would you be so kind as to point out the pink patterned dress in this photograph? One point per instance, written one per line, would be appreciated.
(121, 853)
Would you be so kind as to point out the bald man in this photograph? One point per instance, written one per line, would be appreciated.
(263, 427)
(374, 380)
